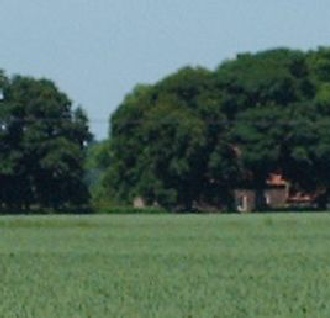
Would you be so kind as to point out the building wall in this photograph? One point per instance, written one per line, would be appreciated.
(139, 203)
(276, 197)
(245, 200)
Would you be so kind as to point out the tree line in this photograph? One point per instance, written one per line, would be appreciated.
(194, 136)
(197, 134)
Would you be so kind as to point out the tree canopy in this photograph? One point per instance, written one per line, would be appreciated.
(197, 134)
(42, 142)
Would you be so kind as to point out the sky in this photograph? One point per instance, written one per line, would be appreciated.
(96, 51)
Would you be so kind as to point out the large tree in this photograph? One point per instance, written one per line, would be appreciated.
(284, 128)
(168, 142)
(43, 145)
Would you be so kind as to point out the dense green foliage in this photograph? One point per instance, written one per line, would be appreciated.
(165, 266)
(42, 141)
(197, 134)
(186, 141)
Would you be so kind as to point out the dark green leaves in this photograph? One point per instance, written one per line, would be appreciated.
(42, 145)
(196, 135)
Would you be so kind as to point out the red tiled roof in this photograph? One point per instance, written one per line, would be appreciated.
(276, 179)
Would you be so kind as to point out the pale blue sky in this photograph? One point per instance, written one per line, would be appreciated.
(97, 50)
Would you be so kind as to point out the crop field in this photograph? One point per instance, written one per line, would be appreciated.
(165, 266)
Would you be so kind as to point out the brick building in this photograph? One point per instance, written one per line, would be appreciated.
(274, 195)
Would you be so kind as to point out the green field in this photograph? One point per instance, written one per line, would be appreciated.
(165, 266)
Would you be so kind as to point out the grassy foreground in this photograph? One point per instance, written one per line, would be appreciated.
(165, 266)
